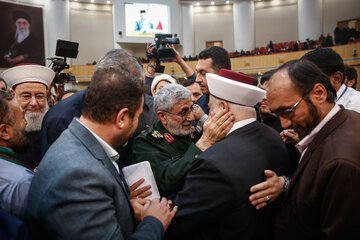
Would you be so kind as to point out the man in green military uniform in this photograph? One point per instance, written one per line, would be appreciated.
(168, 144)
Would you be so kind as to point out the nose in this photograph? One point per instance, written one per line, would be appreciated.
(193, 99)
(198, 78)
(190, 117)
(285, 123)
(33, 101)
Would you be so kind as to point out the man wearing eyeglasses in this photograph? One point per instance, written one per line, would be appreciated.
(168, 145)
(320, 202)
(30, 84)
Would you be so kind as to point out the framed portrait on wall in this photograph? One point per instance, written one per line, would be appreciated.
(22, 35)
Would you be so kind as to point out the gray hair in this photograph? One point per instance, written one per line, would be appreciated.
(169, 95)
(122, 60)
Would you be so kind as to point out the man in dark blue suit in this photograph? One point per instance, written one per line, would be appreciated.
(79, 191)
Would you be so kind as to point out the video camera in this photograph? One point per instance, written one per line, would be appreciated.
(163, 51)
(64, 49)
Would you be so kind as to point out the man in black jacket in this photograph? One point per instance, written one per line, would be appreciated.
(213, 203)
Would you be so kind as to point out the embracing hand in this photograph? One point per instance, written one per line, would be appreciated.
(266, 192)
(160, 209)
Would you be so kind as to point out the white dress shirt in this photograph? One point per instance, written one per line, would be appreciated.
(349, 98)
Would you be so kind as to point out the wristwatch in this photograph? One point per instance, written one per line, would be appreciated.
(287, 181)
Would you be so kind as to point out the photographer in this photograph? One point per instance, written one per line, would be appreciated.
(150, 69)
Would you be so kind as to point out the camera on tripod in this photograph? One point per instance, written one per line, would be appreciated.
(163, 51)
(64, 49)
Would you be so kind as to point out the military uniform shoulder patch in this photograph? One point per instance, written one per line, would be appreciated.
(168, 137)
(156, 134)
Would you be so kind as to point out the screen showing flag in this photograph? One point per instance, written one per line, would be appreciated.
(146, 19)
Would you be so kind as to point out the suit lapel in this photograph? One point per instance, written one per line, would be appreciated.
(329, 127)
(94, 147)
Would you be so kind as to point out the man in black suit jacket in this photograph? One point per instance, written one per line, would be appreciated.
(214, 201)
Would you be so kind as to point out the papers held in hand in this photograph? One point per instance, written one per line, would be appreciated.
(140, 170)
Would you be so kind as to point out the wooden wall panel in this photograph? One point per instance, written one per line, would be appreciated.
(249, 65)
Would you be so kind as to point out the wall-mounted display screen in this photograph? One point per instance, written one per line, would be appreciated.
(146, 19)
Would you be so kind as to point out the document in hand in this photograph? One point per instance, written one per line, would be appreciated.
(140, 170)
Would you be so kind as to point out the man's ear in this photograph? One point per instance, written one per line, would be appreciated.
(161, 117)
(351, 83)
(338, 77)
(318, 93)
(5, 132)
(224, 105)
(122, 118)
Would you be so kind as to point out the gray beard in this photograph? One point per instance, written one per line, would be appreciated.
(34, 120)
(21, 35)
(176, 130)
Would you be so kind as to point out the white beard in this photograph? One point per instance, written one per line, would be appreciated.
(21, 35)
(34, 120)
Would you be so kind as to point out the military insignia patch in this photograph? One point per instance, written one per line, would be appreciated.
(168, 137)
(156, 134)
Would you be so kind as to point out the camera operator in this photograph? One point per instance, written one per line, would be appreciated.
(150, 69)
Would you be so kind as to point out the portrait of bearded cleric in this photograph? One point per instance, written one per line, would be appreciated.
(22, 40)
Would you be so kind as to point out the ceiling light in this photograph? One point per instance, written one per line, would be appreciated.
(212, 3)
(227, 2)
(197, 3)
(108, 2)
(92, 1)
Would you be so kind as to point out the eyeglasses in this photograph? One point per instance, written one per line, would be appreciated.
(183, 113)
(286, 113)
(27, 97)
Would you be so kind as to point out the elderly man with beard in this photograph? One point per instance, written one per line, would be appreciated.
(30, 83)
(168, 145)
(22, 46)
(15, 177)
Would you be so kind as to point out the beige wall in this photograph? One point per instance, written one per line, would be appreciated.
(92, 26)
(335, 11)
(213, 23)
(278, 23)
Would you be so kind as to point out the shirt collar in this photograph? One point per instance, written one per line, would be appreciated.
(241, 124)
(305, 142)
(110, 152)
(340, 91)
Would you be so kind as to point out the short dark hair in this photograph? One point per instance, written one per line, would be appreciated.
(6, 114)
(305, 74)
(350, 72)
(219, 56)
(188, 82)
(111, 90)
(266, 76)
(326, 59)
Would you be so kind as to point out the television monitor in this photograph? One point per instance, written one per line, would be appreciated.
(146, 19)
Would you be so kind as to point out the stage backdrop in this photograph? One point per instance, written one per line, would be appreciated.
(29, 48)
